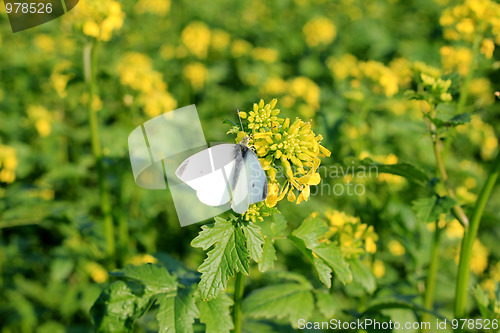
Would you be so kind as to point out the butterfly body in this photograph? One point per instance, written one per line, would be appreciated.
(226, 173)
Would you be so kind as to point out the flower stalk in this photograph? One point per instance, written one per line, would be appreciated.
(89, 59)
(239, 288)
(469, 237)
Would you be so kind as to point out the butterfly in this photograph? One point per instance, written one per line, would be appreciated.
(226, 173)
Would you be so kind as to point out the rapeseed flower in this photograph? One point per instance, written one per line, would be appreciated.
(289, 152)
(353, 237)
(136, 71)
(196, 73)
(159, 7)
(99, 19)
(196, 38)
(319, 31)
(8, 164)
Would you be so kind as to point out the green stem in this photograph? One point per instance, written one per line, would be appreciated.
(89, 59)
(239, 288)
(468, 240)
(430, 287)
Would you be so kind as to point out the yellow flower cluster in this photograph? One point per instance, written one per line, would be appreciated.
(196, 73)
(472, 19)
(196, 38)
(437, 88)
(481, 134)
(99, 19)
(319, 31)
(301, 92)
(8, 164)
(479, 260)
(159, 7)
(136, 71)
(41, 118)
(490, 284)
(96, 272)
(353, 237)
(456, 59)
(381, 78)
(289, 152)
(59, 78)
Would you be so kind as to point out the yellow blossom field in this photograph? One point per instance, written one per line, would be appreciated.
(375, 125)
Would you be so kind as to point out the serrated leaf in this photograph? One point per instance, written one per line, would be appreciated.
(254, 240)
(325, 257)
(268, 255)
(155, 278)
(229, 255)
(429, 209)
(289, 300)
(118, 306)
(310, 230)
(176, 313)
(333, 256)
(363, 275)
(216, 314)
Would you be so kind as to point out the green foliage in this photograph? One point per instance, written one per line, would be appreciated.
(430, 209)
(324, 257)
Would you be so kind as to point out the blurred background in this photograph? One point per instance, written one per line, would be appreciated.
(344, 65)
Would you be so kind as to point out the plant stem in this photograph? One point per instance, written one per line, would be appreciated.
(469, 237)
(89, 59)
(239, 288)
(430, 287)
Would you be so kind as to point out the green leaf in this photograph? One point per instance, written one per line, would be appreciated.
(155, 278)
(333, 256)
(325, 257)
(310, 230)
(229, 255)
(405, 170)
(289, 300)
(363, 275)
(254, 240)
(326, 303)
(429, 209)
(268, 255)
(176, 313)
(118, 306)
(216, 315)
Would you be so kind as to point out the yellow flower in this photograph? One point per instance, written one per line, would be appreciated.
(319, 31)
(378, 268)
(220, 39)
(487, 48)
(41, 119)
(45, 43)
(454, 230)
(136, 71)
(396, 248)
(196, 38)
(8, 164)
(196, 73)
(293, 146)
(265, 54)
(99, 19)
(160, 7)
(97, 272)
(141, 259)
(240, 47)
(479, 260)
(353, 237)
(59, 78)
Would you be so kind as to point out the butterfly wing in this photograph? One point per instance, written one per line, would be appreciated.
(249, 183)
(209, 173)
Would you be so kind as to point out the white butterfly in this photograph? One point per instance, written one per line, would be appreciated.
(225, 173)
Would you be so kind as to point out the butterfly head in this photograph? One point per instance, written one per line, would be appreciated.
(245, 140)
